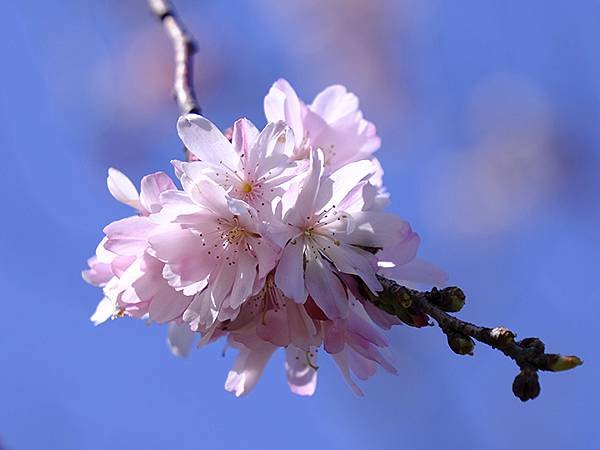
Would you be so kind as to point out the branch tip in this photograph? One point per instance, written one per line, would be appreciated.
(414, 308)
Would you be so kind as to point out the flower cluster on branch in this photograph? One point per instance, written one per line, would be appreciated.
(277, 238)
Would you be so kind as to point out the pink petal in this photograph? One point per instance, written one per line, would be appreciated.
(128, 236)
(244, 136)
(302, 378)
(273, 327)
(184, 254)
(381, 318)
(151, 188)
(334, 340)
(354, 261)
(326, 289)
(304, 206)
(245, 274)
(248, 368)
(289, 276)
(342, 364)
(334, 102)
(282, 103)
(267, 254)
(168, 304)
(418, 271)
(98, 274)
(303, 331)
(377, 229)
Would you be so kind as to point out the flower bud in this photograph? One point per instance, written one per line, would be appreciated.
(503, 336)
(534, 343)
(460, 344)
(450, 299)
(526, 385)
(557, 363)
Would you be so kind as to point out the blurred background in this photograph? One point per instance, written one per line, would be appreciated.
(490, 118)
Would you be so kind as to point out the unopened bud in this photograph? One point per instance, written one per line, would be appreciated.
(503, 336)
(460, 344)
(534, 343)
(450, 299)
(526, 385)
(557, 363)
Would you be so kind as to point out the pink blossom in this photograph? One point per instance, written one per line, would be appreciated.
(252, 167)
(132, 279)
(272, 243)
(329, 233)
(332, 122)
(218, 252)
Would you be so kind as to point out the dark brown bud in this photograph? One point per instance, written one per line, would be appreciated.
(450, 299)
(533, 343)
(460, 344)
(526, 385)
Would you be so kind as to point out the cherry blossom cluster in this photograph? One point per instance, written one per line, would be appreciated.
(271, 242)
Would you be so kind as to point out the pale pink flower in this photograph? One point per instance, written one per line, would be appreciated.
(332, 122)
(252, 167)
(132, 279)
(272, 243)
(218, 251)
(330, 233)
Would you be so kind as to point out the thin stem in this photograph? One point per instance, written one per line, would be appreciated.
(184, 49)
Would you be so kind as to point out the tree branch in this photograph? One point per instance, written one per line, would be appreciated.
(415, 307)
(184, 48)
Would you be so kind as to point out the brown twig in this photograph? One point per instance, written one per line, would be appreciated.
(414, 307)
(184, 48)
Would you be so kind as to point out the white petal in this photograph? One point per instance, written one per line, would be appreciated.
(206, 142)
(122, 189)
(104, 311)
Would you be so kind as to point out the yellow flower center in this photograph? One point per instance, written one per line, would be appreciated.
(246, 187)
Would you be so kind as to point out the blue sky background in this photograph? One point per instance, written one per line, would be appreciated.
(489, 114)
